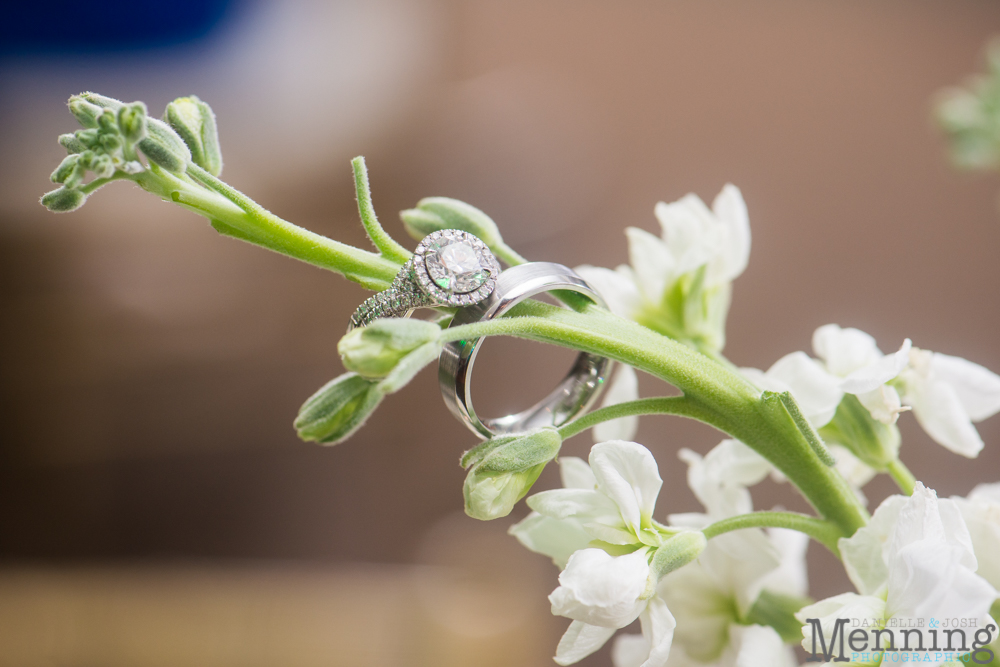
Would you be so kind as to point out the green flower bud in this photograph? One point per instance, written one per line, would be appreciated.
(75, 177)
(852, 426)
(132, 121)
(85, 112)
(409, 366)
(504, 471)
(110, 142)
(89, 138)
(103, 166)
(194, 121)
(162, 146)
(338, 409)
(65, 168)
(71, 143)
(375, 350)
(677, 552)
(436, 213)
(108, 122)
(101, 101)
(63, 200)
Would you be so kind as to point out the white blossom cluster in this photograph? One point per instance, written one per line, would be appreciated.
(920, 557)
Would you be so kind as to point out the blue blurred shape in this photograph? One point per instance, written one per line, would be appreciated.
(101, 26)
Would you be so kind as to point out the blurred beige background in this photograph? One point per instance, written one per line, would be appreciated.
(156, 507)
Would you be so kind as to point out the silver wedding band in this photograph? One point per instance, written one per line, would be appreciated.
(571, 397)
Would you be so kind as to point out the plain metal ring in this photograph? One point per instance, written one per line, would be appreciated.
(572, 396)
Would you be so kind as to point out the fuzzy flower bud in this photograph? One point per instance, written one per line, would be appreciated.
(876, 444)
(436, 213)
(678, 551)
(374, 351)
(338, 409)
(71, 143)
(132, 121)
(65, 169)
(85, 112)
(63, 200)
(504, 469)
(194, 121)
(164, 147)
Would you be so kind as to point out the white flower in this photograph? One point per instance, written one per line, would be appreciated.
(599, 589)
(609, 501)
(624, 388)
(749, 646)
(981, 512)
(679, 283)
(853, 357)
(720, 479)
(913, 561)
(948, 394)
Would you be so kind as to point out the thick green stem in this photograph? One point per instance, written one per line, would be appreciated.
(385, 243)
(902, 476)
(721, 397)
(820, 530)
(233, 213)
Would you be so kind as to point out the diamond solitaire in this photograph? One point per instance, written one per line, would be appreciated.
(448, 268)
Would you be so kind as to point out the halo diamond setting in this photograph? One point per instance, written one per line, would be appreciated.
(448, 268)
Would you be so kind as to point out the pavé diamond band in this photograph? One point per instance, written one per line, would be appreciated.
(448, 268)
(572, 396)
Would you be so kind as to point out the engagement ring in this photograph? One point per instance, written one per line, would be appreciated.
(448, 268)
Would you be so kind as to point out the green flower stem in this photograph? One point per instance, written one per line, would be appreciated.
(718, 396)
(902, 476)
(820, 530)
(233, 213)
(385, 243)
(663, 405)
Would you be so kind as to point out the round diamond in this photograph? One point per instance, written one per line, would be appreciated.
(454, 266)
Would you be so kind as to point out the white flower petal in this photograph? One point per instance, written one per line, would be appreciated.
(629, 651)
(865, 554)
(599, 589)
(579, 641)
(652, 262)
(882, 403)
(575, 473)
(981, 512)
(624, 388)
(557, 539)
(932, 564)
(790, 577)
(939, 411)
(689, 232)
(760, 646)
(844, 350)
(626, 473)
(581, 504)
(617, 287)
(879, 372)
(731, 211)
(719, 480)
(658, 626)
(740, 562)
(815, 390)
(977, 388)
